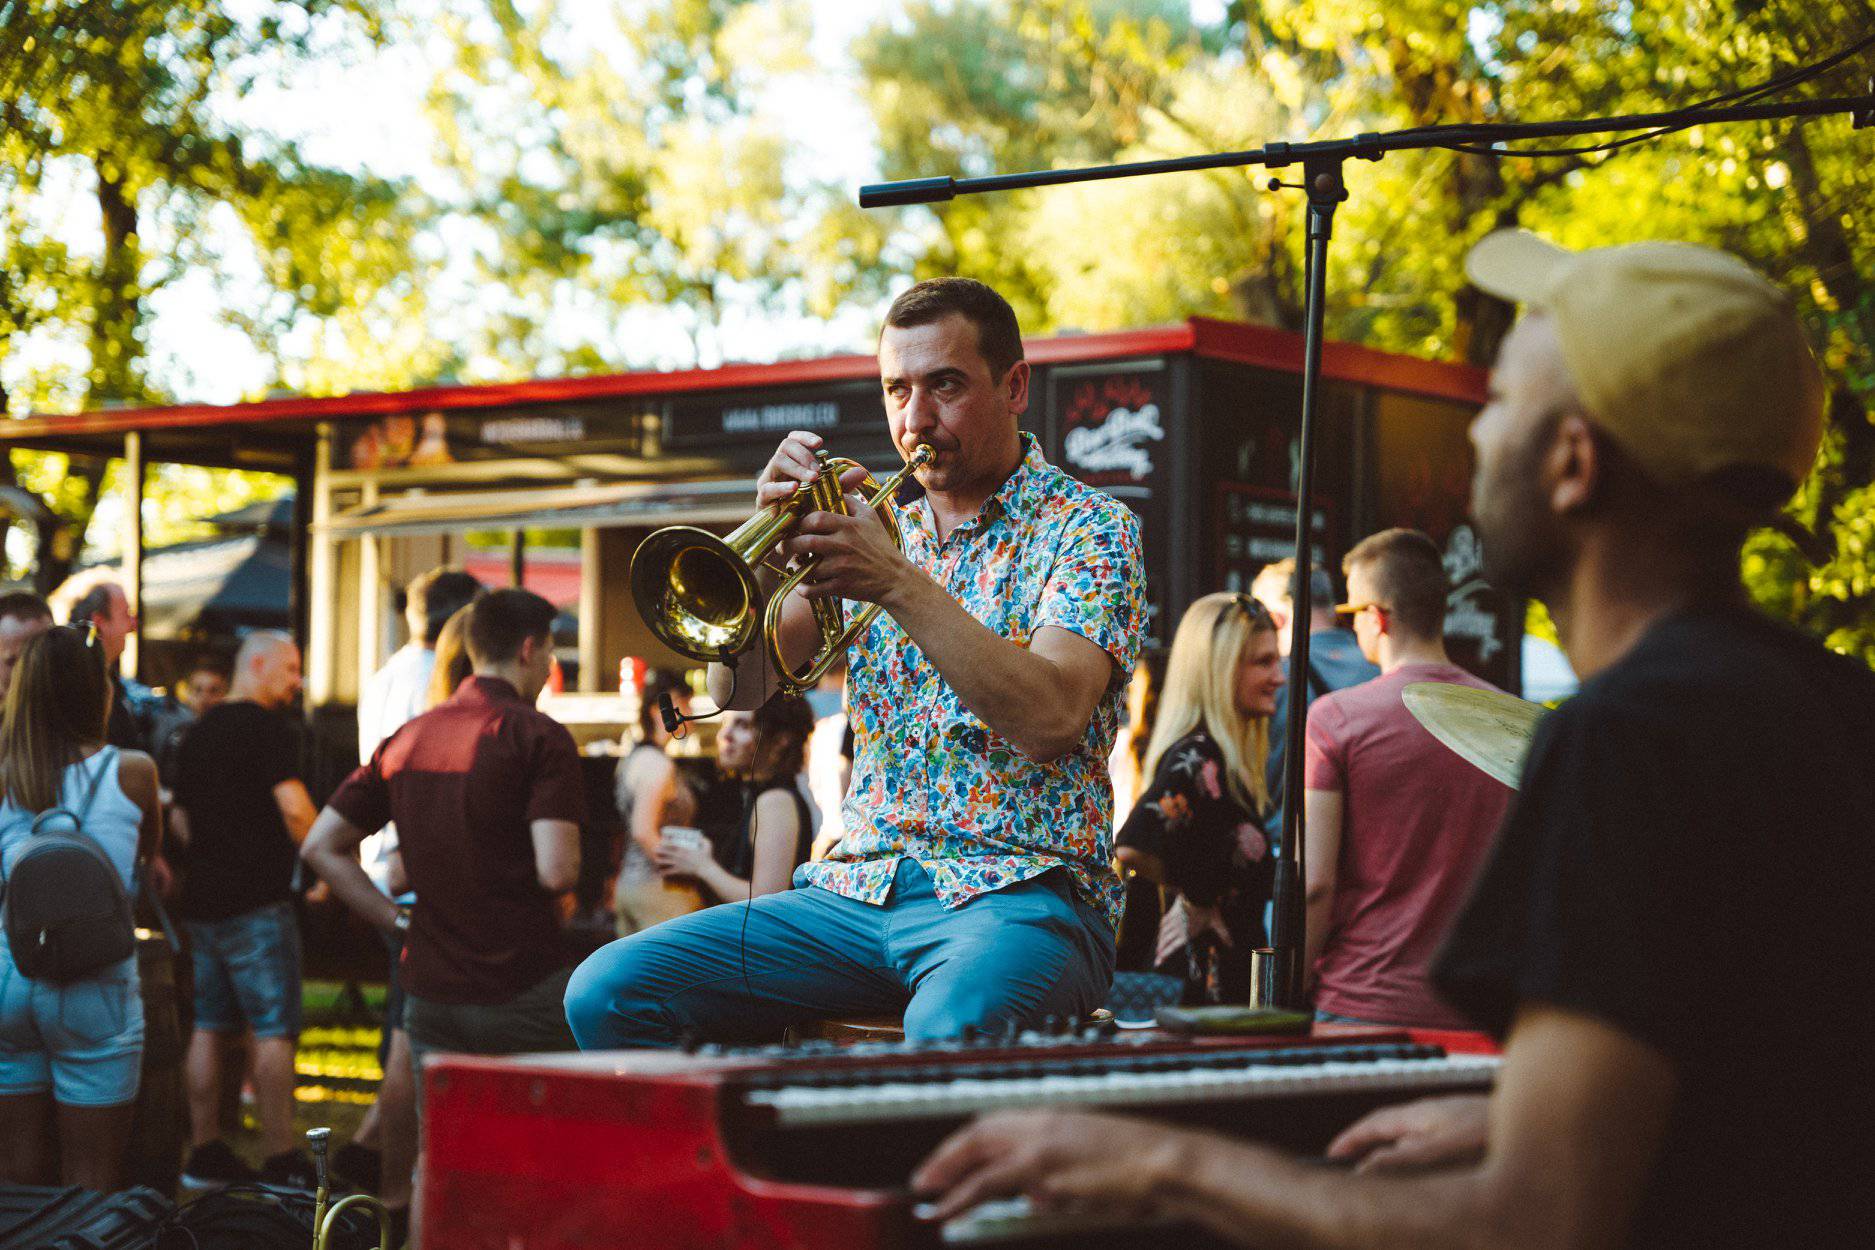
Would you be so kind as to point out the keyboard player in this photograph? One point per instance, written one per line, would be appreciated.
(1662, 933)
(973, 888)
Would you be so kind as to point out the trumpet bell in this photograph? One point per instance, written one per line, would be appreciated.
(695, 593)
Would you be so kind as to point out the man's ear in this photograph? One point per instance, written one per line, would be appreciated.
(1572, 468)
(1016, 387)
(529, 650)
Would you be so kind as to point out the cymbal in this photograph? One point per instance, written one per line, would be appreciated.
(1488, 728)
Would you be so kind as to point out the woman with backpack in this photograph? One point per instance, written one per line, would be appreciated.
(76, 816)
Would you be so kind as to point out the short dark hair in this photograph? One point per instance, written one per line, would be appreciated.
(24, 605)
(1409, 578)
(501, 620)
(208, 662)
(93, 603)
(999, 338)
(437, 595)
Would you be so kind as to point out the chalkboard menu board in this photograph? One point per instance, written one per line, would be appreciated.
(1424, 482)
(1257, 526)
(1110, 426)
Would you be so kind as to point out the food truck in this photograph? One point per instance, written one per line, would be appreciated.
(1194, 426)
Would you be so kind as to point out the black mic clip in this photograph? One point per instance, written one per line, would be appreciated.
(672, 718)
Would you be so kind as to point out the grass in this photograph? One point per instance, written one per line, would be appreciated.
(338, 1057)
(337, 1064)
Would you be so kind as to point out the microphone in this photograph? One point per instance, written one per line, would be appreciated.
(910, 191)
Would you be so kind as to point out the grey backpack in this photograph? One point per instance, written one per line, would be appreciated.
(67, 913)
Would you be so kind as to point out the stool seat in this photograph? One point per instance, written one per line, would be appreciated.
(890, 1028)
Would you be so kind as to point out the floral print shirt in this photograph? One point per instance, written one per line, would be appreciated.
(933, 782)
(1210, 845)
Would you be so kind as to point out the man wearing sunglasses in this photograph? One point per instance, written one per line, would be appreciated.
(1397, 823)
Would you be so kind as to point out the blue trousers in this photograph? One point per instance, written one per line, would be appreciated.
(1018, 955)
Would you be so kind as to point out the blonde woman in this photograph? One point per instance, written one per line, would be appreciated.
(653, 791)
(452, 659)
(1197, 826)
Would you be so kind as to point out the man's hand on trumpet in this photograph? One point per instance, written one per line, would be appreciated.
(793, 466)
(855, 557)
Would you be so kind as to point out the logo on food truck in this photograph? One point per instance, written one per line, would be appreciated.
(1111, 426)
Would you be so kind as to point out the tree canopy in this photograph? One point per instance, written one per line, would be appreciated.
(601, 169)
(125, 168)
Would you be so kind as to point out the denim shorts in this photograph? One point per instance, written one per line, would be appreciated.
(247, 971)
(83, 1042)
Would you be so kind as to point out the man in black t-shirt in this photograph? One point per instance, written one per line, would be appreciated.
(1664, 935)
(241, 811)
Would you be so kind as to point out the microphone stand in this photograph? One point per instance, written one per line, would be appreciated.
(1277, 972)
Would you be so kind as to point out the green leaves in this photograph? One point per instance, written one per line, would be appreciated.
(607, 167)
(981, 86)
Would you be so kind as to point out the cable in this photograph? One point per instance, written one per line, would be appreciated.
(748, 828)
(1742, 95)
(677, 723)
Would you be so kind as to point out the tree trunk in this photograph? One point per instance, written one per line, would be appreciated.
(1437, 92)
(1826, 247)
(115, 352)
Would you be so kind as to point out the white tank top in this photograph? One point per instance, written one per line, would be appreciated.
(113, 820)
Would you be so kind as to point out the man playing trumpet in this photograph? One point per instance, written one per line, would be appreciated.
(973, 889)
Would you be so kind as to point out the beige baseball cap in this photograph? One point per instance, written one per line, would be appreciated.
(1686, 356)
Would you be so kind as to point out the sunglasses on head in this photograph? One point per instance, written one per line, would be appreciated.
(1253, 611)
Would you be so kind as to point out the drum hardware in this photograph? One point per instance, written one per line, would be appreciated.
(1487, 728)
(323, 1218)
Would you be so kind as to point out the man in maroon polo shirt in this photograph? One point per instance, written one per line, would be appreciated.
(487, 797)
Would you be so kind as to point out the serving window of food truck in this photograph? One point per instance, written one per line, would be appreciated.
(1193, 426)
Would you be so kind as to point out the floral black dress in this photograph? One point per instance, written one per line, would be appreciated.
(1215, 854)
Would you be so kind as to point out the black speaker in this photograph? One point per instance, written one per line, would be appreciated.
(34, 1217)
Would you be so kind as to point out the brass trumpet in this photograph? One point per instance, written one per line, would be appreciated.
(698, 592)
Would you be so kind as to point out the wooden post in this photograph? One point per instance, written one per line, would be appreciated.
(370, 596)
(591, 631)
(133, 550)
(322, 578)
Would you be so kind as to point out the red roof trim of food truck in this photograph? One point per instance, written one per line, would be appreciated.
(1261, 346)
(1271, 348)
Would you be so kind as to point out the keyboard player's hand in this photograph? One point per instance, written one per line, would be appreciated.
(1429, 1133)
(1059, 1160)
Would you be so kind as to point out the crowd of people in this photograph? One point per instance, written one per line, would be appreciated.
(199, 800)
(979, 876)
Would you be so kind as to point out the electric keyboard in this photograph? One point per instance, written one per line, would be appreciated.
(812, 1146)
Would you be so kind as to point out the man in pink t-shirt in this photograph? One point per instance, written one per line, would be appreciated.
(1398, 825)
